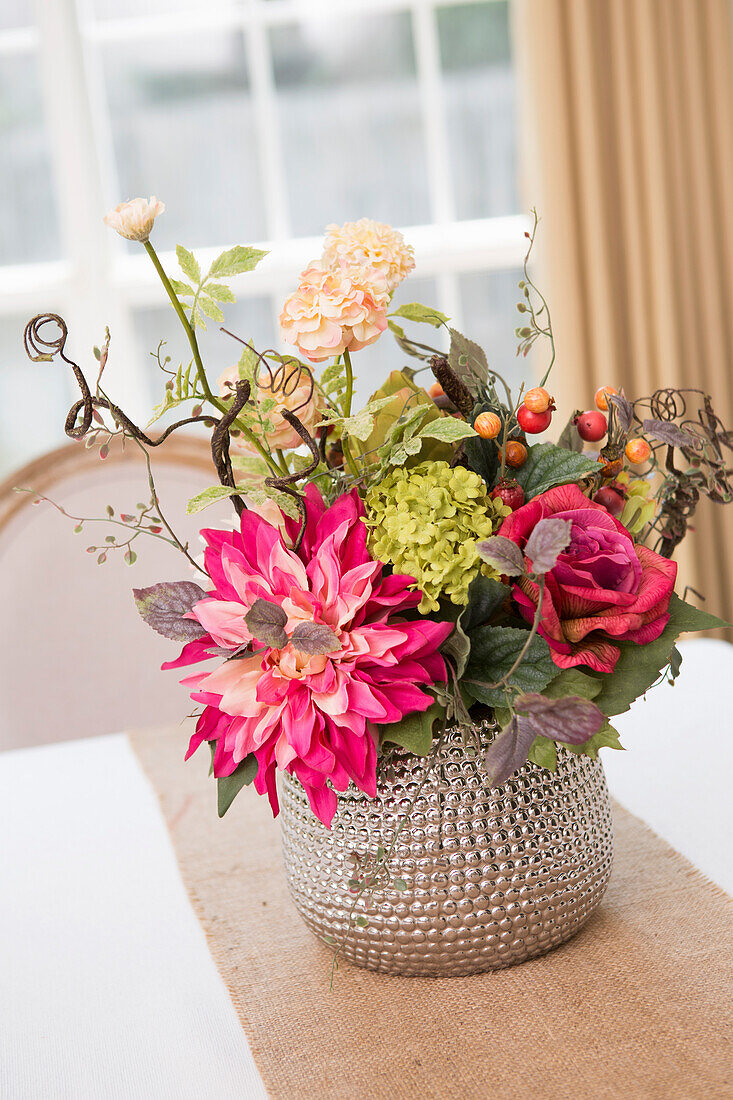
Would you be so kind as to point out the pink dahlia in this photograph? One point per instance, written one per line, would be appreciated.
(312, 716)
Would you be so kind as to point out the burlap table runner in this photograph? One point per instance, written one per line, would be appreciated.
(636, 1006)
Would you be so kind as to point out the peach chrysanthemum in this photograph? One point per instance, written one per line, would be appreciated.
(330, 312)
(375, 255)
(134, 219)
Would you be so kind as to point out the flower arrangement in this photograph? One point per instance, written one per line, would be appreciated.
(413, 564)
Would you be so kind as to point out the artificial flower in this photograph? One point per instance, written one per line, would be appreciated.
(302, 399)
(604, 588)
(330, 313)
(134, 219)
(375, 255)
(427, 522)
(641, 504)
(312, 716)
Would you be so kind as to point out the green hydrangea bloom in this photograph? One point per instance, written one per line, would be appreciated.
(426, 522)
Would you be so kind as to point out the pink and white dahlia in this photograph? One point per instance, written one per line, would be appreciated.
(330, 313)
(312, 716)
(375, 255)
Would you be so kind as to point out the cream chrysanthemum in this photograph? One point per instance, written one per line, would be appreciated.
(329, 313)
(374, 254)
(134, 219)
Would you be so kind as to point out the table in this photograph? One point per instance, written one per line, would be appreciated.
(108, 988)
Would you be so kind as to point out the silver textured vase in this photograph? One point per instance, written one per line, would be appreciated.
(479, 878)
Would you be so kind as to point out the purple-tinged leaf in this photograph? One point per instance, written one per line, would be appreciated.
(666, 432)
(509, 751)
(503, 554)
(570, 718)
(266, 622)
(547, 541)
(164, 605)
(624, 410)
(315, 639)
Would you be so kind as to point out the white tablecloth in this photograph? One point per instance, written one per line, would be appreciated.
(107, 988)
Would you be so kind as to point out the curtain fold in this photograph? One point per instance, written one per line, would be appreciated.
(627, 112)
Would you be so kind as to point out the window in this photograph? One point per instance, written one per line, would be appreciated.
(258, 122)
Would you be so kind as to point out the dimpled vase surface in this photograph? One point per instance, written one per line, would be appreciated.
(493, 875)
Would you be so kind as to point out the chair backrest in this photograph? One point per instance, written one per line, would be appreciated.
(77, 660)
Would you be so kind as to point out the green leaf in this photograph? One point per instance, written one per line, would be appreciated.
(219, 292)
(359, 426)
(414, 311)
(229, 786)
(606, 737)
(543, 753)
(183, 290)
(236, 260)
(548, 465)
(458, 648)
(485, 596)
(210, 308)
(639, 666)
(494, 650)
(572, 681)
(415, 732)
(210, 496)
(447, 430)
(188, 264)
(569, 438)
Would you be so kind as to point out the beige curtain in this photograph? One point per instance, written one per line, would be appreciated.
(627, 118)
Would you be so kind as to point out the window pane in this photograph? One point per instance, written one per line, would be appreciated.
(480, 107)
(24, 386)
(183, 130)
(28, 226)
(489, 300)
(250, 318)
(16, 13)
(350, 121)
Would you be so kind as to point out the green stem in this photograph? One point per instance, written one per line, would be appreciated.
(346, 410)
(201, 373)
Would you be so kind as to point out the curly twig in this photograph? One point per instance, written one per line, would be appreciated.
(285, 483)
(220, 442)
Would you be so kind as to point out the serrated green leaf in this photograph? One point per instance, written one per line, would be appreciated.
(447, 430)
(229, 786)
(548, 465)
(607, 737)
(359, 426)
(414, 311)
(198, 320)
(236, 260)
(415, 732)
(219, 292)
(494, 650)
(188, 264)
(210, 308)
(571, 681)
(396, 329)
(183, 290)
(399, 455)
(210, 496)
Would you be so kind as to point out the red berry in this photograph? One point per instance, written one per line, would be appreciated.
(510, 492)
(611, 500)
(533, 422)
(591, 425)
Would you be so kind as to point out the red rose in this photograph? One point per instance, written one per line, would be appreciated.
(603, 586)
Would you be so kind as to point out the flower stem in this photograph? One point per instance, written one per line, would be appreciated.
(200, 372)
(346, 410)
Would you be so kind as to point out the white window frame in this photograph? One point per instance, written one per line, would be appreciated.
(99, 283)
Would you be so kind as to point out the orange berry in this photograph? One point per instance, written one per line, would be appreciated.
(487, 425)
(638, 451)
(602, 397)
(516, 454)
(538, 400)
(436, 390)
